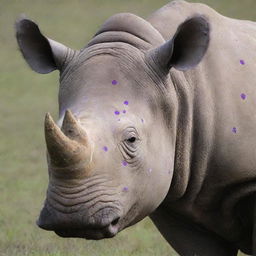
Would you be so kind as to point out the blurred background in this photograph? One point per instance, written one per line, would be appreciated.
(25, 97)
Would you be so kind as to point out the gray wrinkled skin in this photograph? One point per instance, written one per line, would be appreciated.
(156, 118)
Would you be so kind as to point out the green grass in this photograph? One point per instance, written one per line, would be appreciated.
(25, 97)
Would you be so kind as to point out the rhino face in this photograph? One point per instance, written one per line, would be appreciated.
(111, 156)
(113, 122)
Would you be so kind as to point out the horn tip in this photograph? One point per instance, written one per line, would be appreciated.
(68, 111)
(49, 123)
(69, 117)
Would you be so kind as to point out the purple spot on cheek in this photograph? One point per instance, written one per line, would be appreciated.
(114, 82)
(243, 96)
(124, 111)
(142, 120)
(242, 62)
(234, 130)
(105, 148)
(124, 163)
(125, 189)
(126, 102)
(117, 112)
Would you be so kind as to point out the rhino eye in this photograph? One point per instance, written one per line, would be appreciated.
(132, 139)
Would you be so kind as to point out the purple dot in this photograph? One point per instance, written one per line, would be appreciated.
(117, 112)
(125, 189)
(124, 111)
(142, 120)
(126, 102)
(114, 82)
(242, 62)
(119, 120)
(105, 148)
(243, 96)
(124, 163)
(234, 130)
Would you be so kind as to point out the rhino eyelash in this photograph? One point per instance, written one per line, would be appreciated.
(131, 144)
(132, 139)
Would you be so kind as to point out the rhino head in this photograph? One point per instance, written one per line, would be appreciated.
(111, 155)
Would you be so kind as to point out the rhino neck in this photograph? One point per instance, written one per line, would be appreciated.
(193, 140)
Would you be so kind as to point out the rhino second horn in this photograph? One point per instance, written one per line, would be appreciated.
(63, 151)
(73, 130)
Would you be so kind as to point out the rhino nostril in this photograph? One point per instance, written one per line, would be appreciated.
(115, 221)
(112, 229)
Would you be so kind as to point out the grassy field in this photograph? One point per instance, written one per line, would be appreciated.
(25, 97)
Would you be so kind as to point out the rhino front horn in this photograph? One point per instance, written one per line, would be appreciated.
(67, 147)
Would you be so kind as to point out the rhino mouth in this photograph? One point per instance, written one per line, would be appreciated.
(91, 233)
(105, 224)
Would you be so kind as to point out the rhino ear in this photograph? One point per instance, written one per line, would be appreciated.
(186, 49)
(42, 54)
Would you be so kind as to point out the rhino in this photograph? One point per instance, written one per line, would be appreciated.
(156, 118)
